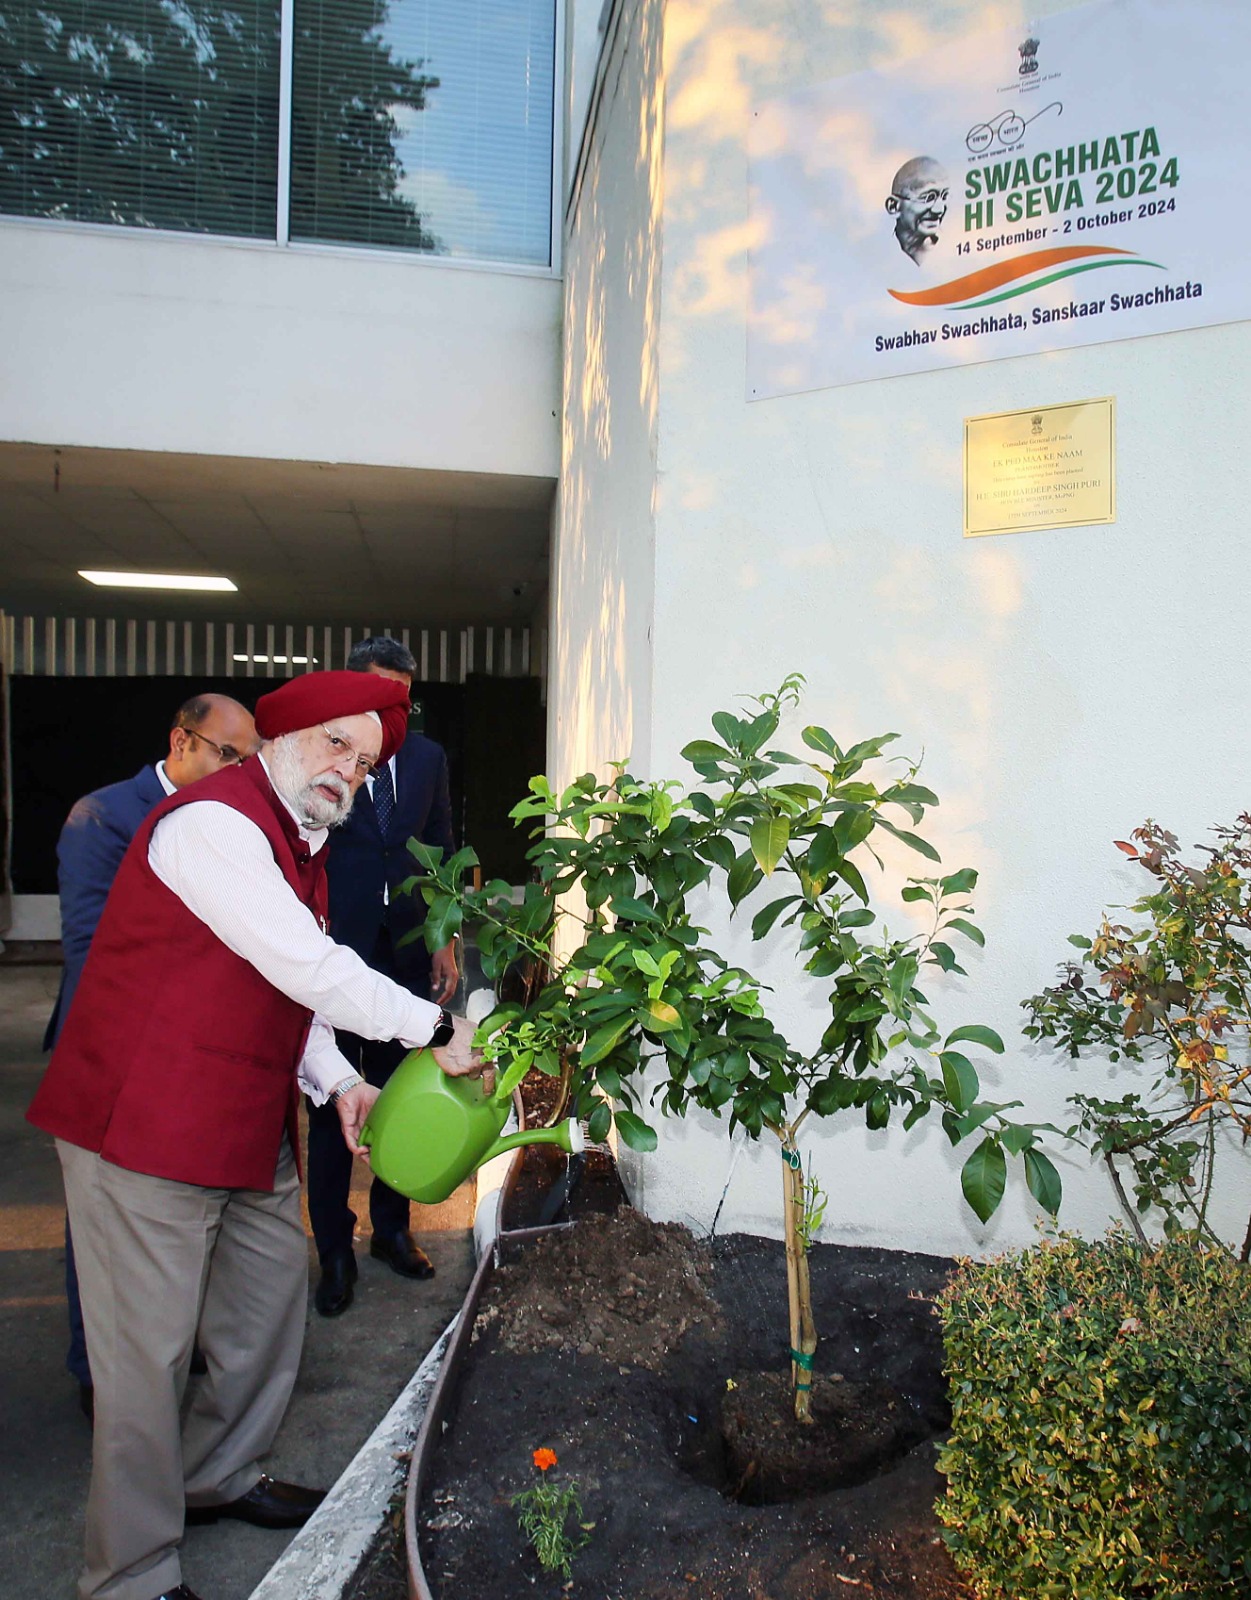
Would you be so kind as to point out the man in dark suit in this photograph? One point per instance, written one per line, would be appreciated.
(209, 731)
(408, 798)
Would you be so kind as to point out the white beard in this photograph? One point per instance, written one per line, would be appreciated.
(301, 793)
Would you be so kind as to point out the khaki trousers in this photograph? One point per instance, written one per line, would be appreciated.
(158, 1264)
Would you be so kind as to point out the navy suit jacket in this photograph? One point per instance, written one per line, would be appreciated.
(362, 861)
(93, 841)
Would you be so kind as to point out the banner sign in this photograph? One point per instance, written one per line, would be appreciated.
(1071, 183)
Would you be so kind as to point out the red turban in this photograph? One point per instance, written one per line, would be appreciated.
(316, 697)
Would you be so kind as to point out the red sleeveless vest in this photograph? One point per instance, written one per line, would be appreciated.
(178, 1059)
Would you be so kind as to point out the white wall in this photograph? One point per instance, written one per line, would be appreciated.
(130, 340)
(1064, 685)
(602, 558)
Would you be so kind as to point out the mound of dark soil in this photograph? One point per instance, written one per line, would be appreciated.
(617, 1286)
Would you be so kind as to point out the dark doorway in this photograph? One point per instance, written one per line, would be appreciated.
(73, 735)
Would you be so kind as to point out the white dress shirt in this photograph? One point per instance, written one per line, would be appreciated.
(221, 866)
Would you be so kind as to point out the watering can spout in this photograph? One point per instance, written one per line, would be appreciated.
(568, 1135)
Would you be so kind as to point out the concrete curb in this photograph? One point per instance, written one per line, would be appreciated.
(327, 1552)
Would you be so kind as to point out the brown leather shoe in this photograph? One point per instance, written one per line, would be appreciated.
(269, 1503)
(402, 1254)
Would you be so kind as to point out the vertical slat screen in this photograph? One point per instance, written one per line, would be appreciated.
(112, 647)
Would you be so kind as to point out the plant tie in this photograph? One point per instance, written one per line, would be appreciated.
(804, 1361)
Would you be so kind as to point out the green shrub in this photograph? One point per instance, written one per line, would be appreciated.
(1101, 1436)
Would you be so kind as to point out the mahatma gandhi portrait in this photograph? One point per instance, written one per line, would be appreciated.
(918, 203)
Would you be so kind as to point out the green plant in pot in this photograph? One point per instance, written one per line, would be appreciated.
(1164, 986)
(631, 996)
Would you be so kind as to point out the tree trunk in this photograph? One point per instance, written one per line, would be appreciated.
(798, 1288)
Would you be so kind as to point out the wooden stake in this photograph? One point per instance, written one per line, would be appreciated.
(798, 1288)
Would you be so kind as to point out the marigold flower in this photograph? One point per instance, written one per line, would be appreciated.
(544, 1459)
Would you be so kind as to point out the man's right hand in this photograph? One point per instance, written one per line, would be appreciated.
(457, 1057)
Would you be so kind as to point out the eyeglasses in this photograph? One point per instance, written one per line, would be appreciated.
(227, 755)
(340, 749)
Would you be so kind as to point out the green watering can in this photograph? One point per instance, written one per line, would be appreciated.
(427, 1132)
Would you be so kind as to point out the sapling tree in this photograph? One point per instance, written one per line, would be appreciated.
(1167, 990)
(643, 1008)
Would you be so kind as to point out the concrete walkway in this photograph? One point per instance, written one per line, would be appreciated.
(353, 1366)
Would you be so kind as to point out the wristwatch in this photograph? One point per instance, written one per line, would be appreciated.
(443, 1031)
(343, 1088)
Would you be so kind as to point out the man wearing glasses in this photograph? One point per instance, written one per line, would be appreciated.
(407, 798)
(208, 1000)
(209, 731)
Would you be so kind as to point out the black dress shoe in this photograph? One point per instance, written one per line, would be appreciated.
(401, 1254)
(180, 1593)
(267, 1504)
(87, 1402)
(333, 1294)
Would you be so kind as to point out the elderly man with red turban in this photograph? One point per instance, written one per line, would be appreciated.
(208, 1000)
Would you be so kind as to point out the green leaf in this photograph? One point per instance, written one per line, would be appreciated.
(1076, 939)
(916, 891)
(703, 750)
(975, 1033)
(851, 876)
(764, 919)
(913, 840)
(912, 793)
(635, 1132)
(631, 910)
(968, 929)
(868, 748)
(823, 852)
(857, 917)
(609, 1080)
(605, 1039)
(959, 1079)
(818, 739)
(853, 828)
(959, 882)
(743, 878)
(663, 1016)
(718, 849)
(757, 730)
(599, 1122)
(730, 728)
(945, 956)
(877, 1111)
(769, 838)
(984, 1177)
(1043, 1180)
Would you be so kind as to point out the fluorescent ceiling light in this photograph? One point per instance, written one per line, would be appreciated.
(157, 580)
(296, 661)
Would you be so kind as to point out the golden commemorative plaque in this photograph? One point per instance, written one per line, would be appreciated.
(1045, 467)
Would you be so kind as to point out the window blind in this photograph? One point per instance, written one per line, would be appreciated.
(149, 113)
(425, 124)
